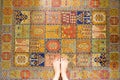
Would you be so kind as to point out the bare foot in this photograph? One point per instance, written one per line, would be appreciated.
(64, 65)
(56, 65)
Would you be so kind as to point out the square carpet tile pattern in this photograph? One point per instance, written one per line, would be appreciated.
(35, 32)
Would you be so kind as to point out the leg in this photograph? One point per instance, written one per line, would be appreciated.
(64, 65)
(56, 65)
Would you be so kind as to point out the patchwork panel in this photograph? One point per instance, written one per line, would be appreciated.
(22, 17)
(37, 31)
(56, 3)
(99, 45)
(99, 59)
(22, 31)
(69, 31)
(53, 45)
(99, 17)
(83, 17)
(99, 31)
(83, 46)
(37, 45)
(37, 59)
(21, 59)
(71, 58)
(21, 45)
(53, 17)
(55, 31)
(68, 46)
(83, 31)
(33, 33)
(84, 59)
(69, 17)
(38, 17)
(6, 38)
(50, 57)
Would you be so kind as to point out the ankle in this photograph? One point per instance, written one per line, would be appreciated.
(56, 77)
(64, 76)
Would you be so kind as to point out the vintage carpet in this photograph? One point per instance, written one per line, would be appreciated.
(34, 32)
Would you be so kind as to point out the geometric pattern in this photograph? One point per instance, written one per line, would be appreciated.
(21, 45)
(53, 17)
(99, 45)
(22, 17)
(69, 31)
(83, 17)
(53, 45)
(6, 37)
(49, 58)
(5, 56)
(94, 3)
(55, 31)
(99, 60)
(22, 31)
(84, 31)
(6, 47)
(37, 59)
(114, 38)
(99, 31)
(37, 45)
(68, 18)
(83, 60)
(83, 45)
(37, 17)
(21, 59)
(114, 20)
(68, 46)
(35, 32)
(99, 17)
(71, 58)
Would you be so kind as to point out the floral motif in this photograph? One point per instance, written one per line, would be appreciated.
(53, 45)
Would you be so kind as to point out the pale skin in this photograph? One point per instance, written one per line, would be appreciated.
(60, 66)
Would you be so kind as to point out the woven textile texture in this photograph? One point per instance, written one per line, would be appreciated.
(35, 32)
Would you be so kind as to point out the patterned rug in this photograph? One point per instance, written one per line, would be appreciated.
(35, 32)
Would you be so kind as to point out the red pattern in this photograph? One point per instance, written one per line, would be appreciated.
(5, 55)
(114, 20)
(6, 37)
(114, 38)
(25, 74)
(94, 3)
(53, 45)
(69, 32)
